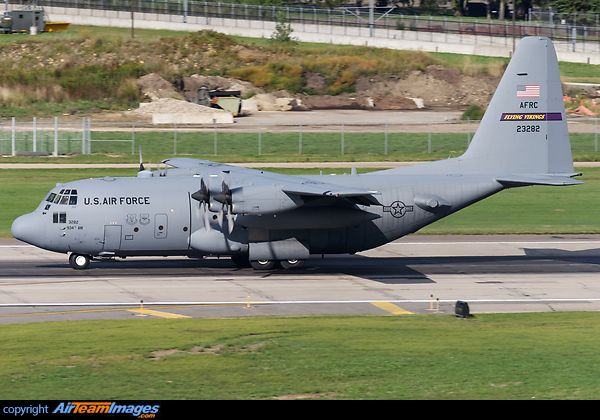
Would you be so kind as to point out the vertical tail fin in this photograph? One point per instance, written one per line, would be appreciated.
(523, 137)
(524, 130)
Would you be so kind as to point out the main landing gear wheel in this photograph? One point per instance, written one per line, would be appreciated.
(291, 264)
(79, 261)
(262, 264)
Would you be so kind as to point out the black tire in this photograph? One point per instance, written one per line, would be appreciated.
(79, 261)
(292, 264)
(263, 264)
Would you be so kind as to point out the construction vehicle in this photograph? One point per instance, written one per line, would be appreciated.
(5, 23)
(230, 101)
(29, 19)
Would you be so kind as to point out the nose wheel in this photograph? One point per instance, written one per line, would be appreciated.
(79, 261)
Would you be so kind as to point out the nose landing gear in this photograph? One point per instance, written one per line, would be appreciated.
(79, 261)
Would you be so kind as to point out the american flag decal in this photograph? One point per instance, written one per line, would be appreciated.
(528, 91)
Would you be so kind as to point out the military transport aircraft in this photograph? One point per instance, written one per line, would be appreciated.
(199, 208)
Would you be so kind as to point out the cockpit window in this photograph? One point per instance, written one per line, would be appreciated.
(65, 197)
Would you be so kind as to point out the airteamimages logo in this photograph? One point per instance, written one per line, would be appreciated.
(142, 411)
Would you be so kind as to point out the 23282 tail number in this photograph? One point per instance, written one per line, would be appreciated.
(528, 128)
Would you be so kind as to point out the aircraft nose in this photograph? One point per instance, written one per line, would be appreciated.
(29, 228)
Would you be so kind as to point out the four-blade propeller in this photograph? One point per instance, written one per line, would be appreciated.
(203, 195)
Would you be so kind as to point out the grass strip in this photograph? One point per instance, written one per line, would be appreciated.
(265, 145)
(491, 356)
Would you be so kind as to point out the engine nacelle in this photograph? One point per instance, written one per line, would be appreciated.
(215, 242)
(262, 199)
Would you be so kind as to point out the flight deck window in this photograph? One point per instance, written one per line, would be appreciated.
(65, 197)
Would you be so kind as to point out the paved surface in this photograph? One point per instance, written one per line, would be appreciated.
(417, 274)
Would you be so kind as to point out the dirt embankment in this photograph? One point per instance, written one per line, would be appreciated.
(437, 87)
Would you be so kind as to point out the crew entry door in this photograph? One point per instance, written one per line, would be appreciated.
(112, 237)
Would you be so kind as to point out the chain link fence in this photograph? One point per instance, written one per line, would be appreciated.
(579, 33)
(51, 137)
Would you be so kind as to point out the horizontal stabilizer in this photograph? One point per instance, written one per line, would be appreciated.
(524, 180)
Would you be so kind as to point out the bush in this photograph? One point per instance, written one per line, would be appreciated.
(474, 112)
(277, 75)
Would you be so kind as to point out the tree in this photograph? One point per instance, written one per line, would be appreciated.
(576, 6)
(283, 31)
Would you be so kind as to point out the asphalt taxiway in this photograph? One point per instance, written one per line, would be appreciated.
(414, 275)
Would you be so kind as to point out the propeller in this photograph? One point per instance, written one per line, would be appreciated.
(203, 196)
(143, 172)
(225, 198)
(141, 163)
(160, 171)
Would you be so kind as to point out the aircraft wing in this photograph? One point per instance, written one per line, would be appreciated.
(186, 162)
(324, 189)
(292, 185)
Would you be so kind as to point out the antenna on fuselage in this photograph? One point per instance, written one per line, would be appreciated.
(143, 172)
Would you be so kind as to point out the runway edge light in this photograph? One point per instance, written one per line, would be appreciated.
(462, 309)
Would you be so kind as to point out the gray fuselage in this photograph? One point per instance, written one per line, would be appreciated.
(157, 216)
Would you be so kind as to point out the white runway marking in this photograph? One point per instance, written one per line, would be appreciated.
(297, 302)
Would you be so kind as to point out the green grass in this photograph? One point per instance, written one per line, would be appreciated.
(491, 356)
(528, 210)
(579, 72)
(265, 145)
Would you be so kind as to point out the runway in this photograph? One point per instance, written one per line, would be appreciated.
(414, 275)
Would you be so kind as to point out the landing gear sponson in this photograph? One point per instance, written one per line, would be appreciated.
(82, 261)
